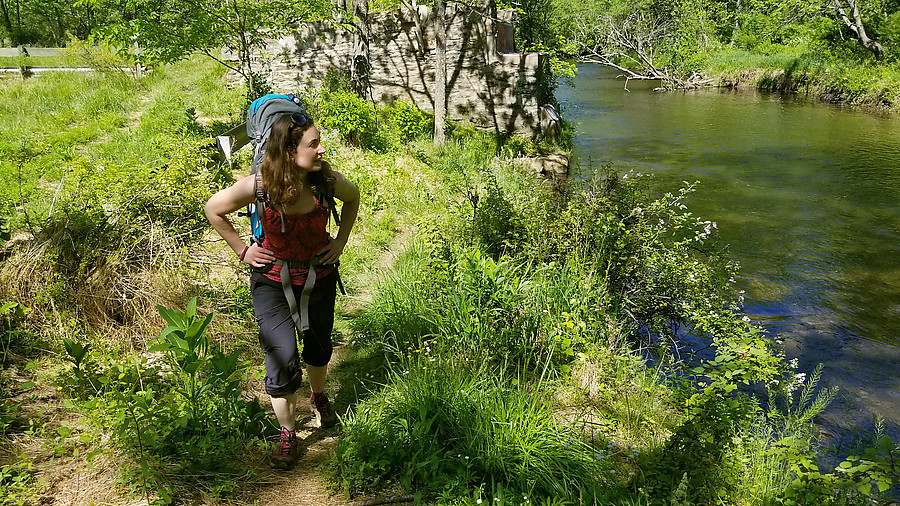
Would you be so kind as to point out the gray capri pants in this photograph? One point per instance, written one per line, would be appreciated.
(277, 332)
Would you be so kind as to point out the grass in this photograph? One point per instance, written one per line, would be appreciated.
(789, 70)
(36, 61)
(439, 427)
(53, 124)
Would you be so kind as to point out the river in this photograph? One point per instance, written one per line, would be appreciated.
(807, 197)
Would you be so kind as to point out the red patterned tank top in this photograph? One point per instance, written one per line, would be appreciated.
(303, 238)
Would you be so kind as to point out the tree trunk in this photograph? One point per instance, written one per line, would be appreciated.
(440, 71)
(856, 25)
(359, 70)
(737, 24)
(7, 23)
(413, 7)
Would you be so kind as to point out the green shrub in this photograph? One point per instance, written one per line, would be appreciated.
(17, 484)
(410, 121)
(102, 57)
(354, 118)
(494, 221)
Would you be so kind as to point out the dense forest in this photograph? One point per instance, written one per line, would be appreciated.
(507, 339)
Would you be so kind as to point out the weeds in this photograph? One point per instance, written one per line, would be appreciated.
(16, 484)
(183, 413)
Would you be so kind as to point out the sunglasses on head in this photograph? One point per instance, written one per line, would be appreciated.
(299, 119)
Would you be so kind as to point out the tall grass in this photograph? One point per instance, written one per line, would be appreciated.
(400, 310)
(110, 174)
(436, 427)
(767, 441)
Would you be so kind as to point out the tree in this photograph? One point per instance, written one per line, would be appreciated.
(171, 30)
(855, 24)
(440, 71)
(47, 22)
(636, 41)
(7, 24)
(359, 69)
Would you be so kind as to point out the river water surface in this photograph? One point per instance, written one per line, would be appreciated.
(806, 196)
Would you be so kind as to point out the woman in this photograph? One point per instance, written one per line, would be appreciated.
(295, 180)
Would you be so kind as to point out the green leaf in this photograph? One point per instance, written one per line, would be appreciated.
(191, 308)
(173, 318)
(28, 385)
(168, 330)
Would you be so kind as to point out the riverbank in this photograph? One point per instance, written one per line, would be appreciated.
(866, 84)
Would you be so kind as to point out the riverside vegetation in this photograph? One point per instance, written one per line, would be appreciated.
(529, 343)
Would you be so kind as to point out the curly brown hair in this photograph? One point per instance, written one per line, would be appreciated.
(281, 179)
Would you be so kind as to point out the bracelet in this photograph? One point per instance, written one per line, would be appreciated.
(244, 252)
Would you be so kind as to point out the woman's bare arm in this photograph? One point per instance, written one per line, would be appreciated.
(227, 201)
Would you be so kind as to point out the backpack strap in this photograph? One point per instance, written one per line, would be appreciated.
(262, 199)
(328, 198)
(258, 190)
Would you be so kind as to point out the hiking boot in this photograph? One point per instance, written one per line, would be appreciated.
(286, 451)
(321, 408)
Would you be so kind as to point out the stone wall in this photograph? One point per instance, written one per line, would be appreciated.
(488, 83)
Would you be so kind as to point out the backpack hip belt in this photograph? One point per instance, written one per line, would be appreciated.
(301, 319)
(301, 315)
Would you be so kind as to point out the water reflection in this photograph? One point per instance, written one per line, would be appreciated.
(806, 195)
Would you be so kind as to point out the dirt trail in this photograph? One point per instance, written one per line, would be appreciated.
(302, 485)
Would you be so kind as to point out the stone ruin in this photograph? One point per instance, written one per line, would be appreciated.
(488, 83)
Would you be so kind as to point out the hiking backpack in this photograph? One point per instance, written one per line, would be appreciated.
(261, 115)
